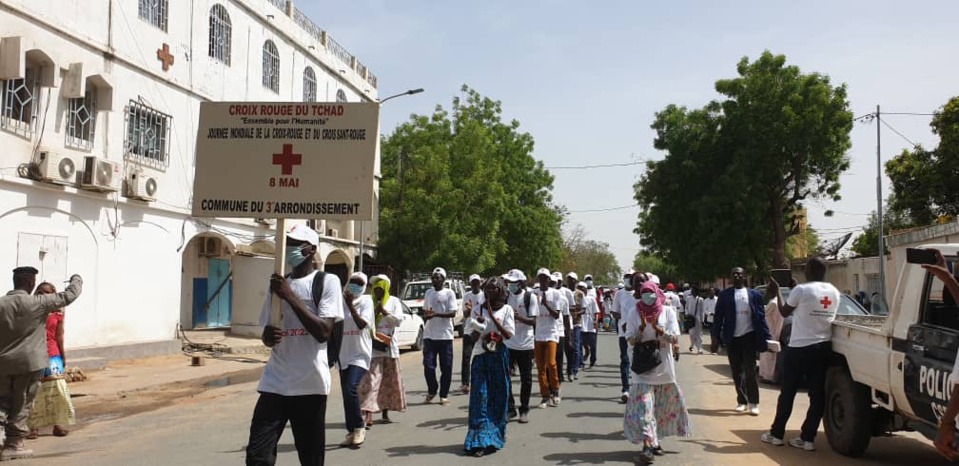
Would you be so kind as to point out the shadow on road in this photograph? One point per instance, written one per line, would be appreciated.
(445, 424)
(583, 436)
(592, 398)
(714, 412)
(596, 415)
(721, 369)
(418, 450)
(599, 457)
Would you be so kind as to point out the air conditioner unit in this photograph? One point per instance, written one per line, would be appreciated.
(142, 184)
(100, 175)
(57, 168)
(268, 222)
(209, 247)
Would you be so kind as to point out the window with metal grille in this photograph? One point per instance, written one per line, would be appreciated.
(271, 66)
(21, 103)
(154, 12)
(82, 120)
(340, 96)
(148, 136)
(309, 85)
(220, 34)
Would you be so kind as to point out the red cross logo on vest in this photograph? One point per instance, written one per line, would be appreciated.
(287, 159)
(825, 302)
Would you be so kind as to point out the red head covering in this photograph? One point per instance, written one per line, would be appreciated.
(651, 313)
(670, 287)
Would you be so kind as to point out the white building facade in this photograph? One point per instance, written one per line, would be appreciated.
(98, 115)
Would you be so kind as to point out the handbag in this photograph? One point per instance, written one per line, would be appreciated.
(646, 356)
(380, 346)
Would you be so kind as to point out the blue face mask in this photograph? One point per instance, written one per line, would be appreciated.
(354, 289)
(513, 287)
(294, 256)
(649, 299)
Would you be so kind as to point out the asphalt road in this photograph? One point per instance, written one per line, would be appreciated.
(211, 428)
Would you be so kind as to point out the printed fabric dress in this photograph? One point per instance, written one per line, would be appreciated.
(656, 407)
(489, 388)
(381, 389)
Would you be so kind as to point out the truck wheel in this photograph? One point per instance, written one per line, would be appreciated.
(418, 344)
(848, 420)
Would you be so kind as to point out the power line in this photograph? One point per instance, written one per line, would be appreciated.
(609, 209)
(897, 132)
(607, 165)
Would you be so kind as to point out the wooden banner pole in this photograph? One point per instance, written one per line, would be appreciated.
(279, 266)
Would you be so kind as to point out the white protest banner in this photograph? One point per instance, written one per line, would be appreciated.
(286, 160)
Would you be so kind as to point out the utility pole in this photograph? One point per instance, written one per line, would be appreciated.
(882, 246)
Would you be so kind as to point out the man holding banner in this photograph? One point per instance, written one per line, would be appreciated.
(296, 380)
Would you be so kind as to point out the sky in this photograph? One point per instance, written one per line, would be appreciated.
(585, 79)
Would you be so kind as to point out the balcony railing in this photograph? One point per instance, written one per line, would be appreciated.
(308, 25)
(339, 51)
(281, 4)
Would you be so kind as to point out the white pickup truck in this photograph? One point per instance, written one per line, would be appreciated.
(891, 373)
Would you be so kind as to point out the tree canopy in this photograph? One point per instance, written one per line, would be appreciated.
(925, 183)
(586, 256)
(461, 190)
(737, 171)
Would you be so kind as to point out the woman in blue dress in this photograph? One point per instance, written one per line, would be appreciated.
(491, 325)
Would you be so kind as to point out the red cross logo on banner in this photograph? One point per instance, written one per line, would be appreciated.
(825, 302)
(287, 159)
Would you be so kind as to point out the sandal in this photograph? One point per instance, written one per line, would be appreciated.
(34, 433)
(60, 431)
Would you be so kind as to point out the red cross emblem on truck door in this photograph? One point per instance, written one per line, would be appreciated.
(825, 302)
(287, 159)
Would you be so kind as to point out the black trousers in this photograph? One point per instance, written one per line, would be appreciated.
(524, 360)
(624, 363)
(809, 362)
(465, 366)
(742, 361)
(307, 417)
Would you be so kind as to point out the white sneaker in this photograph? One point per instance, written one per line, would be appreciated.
(348, 441)
(770, 439)
(802, 444)
(359, 436)
(625, 397)
(556, 400)
(544, 404)
(754, 410)
(740, 408)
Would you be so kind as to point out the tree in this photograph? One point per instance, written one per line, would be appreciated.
(925, 183)
(867, 244)
(461, 189)
(807, 241)
(736, 172)
(649, 262)
(586, 256)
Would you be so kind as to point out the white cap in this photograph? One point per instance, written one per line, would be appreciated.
(629, 272)
(380, 278)
(361, 276)
(654, 279)
(516, 275)
(475, 277)
(573, 276)
(588, 277)
(556, 277)
(302, 232)
(581, 284)
(621, 285)
(440, 271)
(504, 276)
(542, 271)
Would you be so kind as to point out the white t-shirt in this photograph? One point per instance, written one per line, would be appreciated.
(816, 304)
(665, 372)
(441, 302)
(619, 305)
(589, 317)
(547, 327)
(357, 347)
(523, 338)
(709, 307)
(744, 314)
(566, 303)
(298, 364)
(672, 299)
(387, 326)
(504, 316)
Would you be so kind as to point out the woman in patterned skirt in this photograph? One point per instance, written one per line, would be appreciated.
(381, 390)
(491, 325)
(655, 408)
